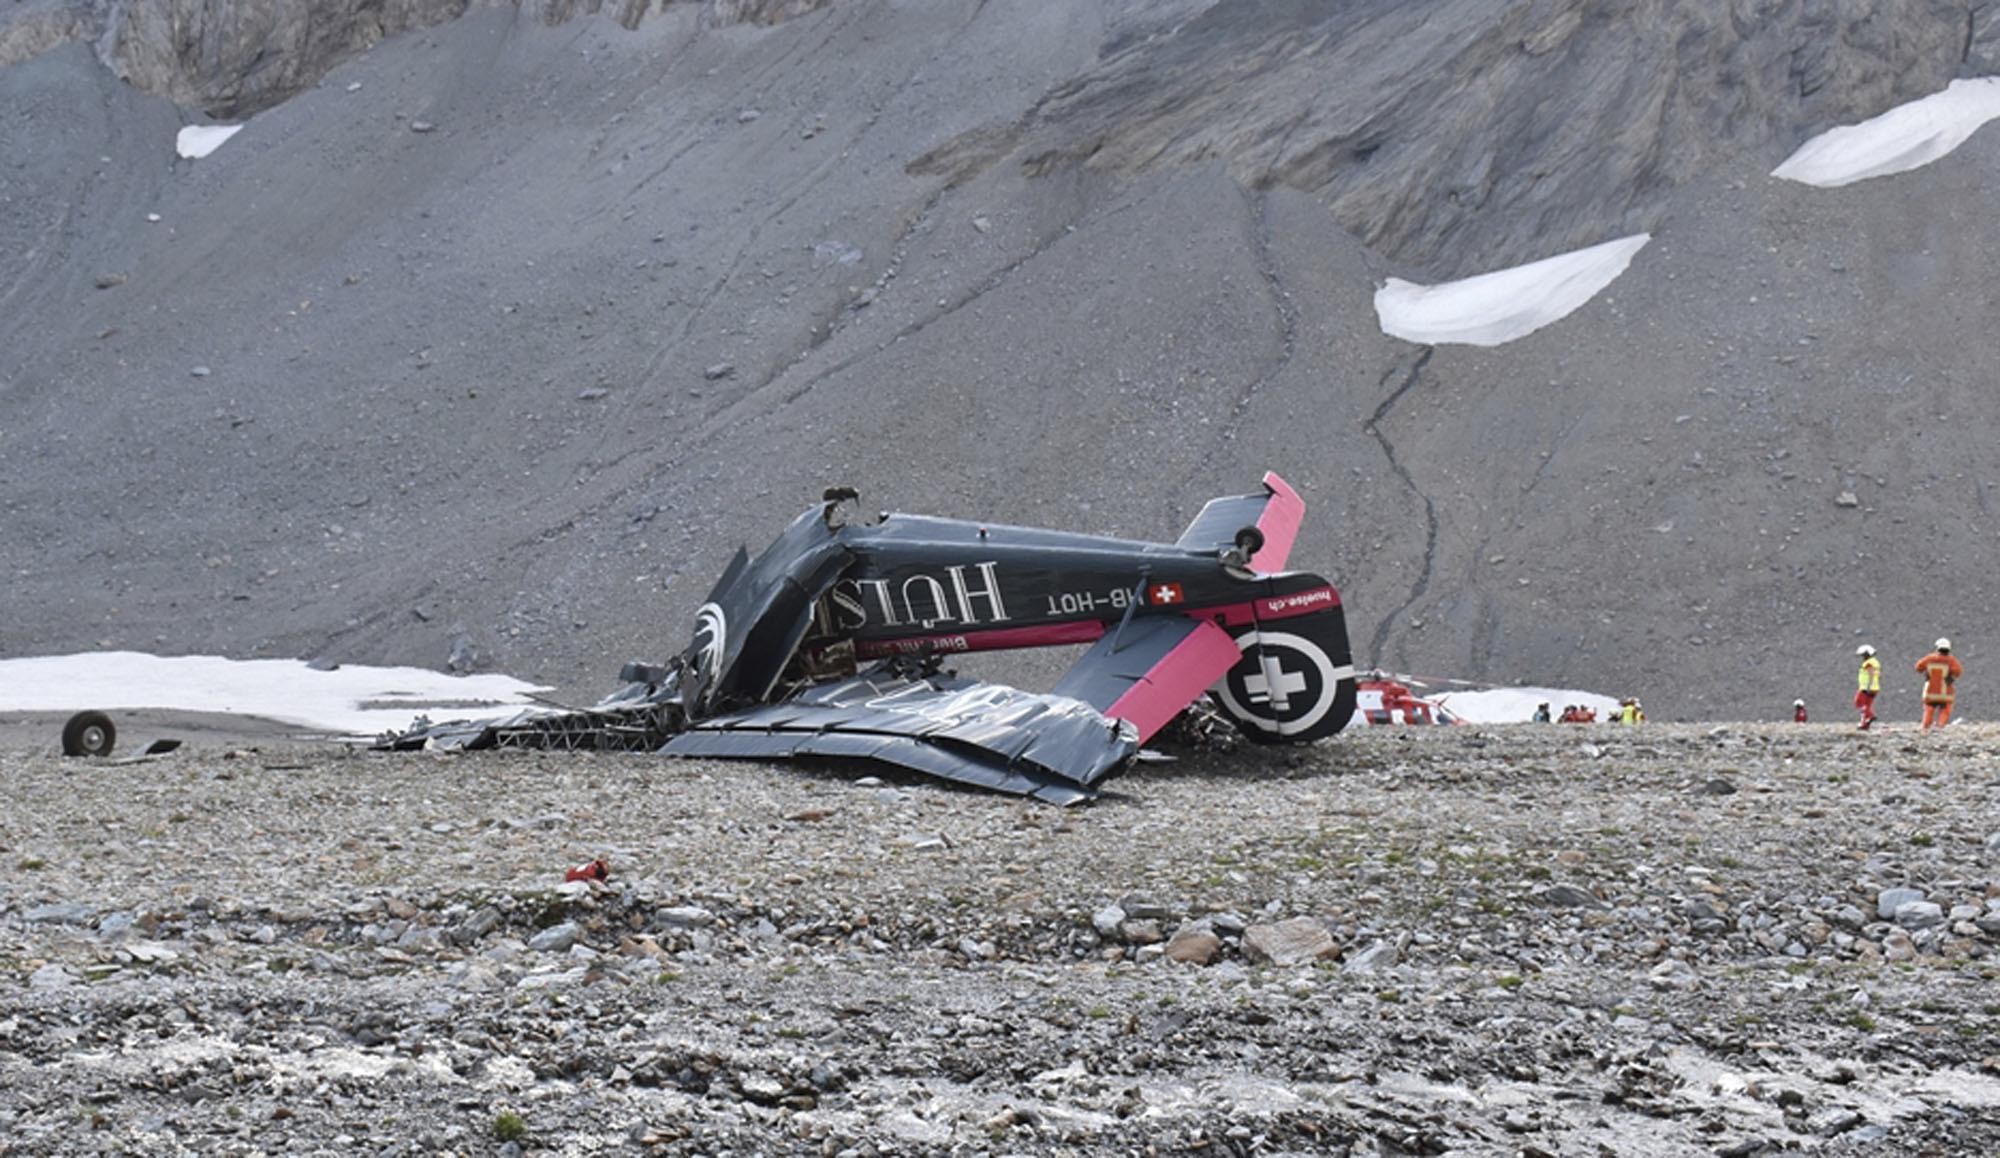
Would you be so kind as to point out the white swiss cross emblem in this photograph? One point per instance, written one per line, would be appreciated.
(1272, 684)
(1284, 686)
(1166, 593)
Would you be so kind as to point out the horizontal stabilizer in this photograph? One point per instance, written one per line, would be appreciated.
(1149, 671)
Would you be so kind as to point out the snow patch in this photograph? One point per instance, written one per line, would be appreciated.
(1906, 137)
(174, 1056)
(1494, 308)
(197, 141)
(1961, 1088)
(354, 701)
(1517, 705)
(510, 1073)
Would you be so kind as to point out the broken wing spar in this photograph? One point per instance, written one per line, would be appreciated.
(775, 665)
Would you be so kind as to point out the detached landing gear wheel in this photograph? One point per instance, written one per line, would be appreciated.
(89, 734)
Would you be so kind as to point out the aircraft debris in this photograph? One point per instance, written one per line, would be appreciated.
(89, 734)
(830, 643)
(590, 870)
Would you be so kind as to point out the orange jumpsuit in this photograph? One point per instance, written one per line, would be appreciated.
(1940, 671)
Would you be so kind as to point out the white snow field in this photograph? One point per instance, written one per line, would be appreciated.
(1904, 138)
(197, 141)
(1517, 705)
(285, 690)
(1498, 307)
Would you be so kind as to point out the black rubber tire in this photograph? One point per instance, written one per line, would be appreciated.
(89, 734)
(1249, 540)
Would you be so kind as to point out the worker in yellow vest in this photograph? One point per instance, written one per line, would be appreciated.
(1870, 679)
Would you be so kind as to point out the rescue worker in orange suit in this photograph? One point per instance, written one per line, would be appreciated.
(1798, 711)
(1870, 685)
(1940, 670)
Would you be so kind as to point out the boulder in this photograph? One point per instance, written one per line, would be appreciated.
(1194, 945)
(1889, 900)
(555, 938)
(1290, 942)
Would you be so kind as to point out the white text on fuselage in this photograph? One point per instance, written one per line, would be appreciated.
(962, 594)
(1301, 601)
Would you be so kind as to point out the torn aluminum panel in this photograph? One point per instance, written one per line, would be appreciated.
(1047, 746)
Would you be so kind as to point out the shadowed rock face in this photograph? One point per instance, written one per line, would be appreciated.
(1451, 136)
(391, 393)
(29, 31)
(228, 58)
(1456, 137)
(232, 58)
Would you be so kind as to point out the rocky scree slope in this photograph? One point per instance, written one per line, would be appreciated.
(1524, 939)
(496, 338)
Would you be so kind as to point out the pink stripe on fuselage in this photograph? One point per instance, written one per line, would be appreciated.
(1312, 599)
(1040, 635)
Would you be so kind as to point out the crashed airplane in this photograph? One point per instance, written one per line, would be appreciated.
(775, 668)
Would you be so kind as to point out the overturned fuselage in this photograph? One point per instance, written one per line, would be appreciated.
(775, 667)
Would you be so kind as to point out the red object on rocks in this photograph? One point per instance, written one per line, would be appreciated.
(595, 870)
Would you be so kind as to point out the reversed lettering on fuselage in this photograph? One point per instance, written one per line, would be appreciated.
(967, 594)
(1089, 602)
(928, 644)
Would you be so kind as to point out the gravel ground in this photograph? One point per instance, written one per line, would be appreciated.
(1513, 940)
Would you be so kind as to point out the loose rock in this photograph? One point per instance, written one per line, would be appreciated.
(1291, 942)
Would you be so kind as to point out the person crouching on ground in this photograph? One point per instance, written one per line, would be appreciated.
(1798, 711)
(1940, 670)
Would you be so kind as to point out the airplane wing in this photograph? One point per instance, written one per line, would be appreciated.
(1047, 746)
(1148, 670)
(1276, 513)
(628, 727)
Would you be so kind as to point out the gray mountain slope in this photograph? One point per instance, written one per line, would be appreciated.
(431, 355)
(1457, 136)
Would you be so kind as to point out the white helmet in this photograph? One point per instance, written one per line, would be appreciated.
(1864, 649)
(1943, 644)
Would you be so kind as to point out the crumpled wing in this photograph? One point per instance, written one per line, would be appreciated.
(1149, 670)
(612, 726)
(1049, 747)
